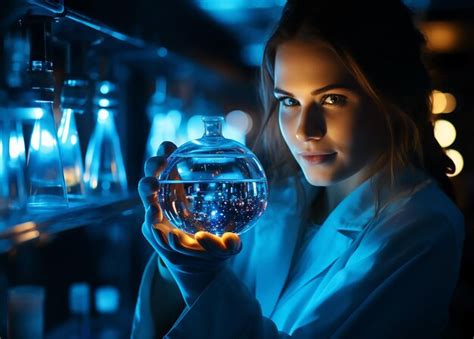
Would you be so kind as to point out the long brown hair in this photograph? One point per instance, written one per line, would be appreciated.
(381, 47)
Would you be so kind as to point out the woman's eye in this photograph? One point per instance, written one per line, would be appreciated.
(287, 101)
(334, 99)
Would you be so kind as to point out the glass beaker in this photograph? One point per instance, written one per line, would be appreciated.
(213, 184)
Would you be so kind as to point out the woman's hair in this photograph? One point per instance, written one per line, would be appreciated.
(382, 49)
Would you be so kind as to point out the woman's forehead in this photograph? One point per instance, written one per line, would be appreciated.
(298, 62)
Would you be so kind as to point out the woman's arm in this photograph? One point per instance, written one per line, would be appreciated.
(159, 302)
(166, 300)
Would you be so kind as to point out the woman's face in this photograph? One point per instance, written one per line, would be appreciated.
(330, 126)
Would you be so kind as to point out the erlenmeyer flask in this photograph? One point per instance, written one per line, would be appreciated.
(165, 118)
(105, 170)
(73, 101)
(46, 187)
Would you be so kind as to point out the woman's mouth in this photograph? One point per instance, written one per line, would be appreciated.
(316, 159)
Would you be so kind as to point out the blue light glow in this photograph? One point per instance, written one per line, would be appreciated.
(104, 102)
(107, 299)
(104, 88)
(38, 112)
(252, 54)
(213, 5)
(195, 127)
(103, 114)
(162, 52)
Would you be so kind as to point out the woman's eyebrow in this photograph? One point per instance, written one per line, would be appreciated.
(326, 88)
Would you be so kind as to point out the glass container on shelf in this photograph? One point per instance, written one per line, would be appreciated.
(213, 184)
(105, 170)
(44, 173)
(73, 101)
(165, 116)
(45, 180)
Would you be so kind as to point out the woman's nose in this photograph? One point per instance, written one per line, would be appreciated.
(311, 124)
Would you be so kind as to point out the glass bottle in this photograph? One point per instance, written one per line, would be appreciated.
(213, 184)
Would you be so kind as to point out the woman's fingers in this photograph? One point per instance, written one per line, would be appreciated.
(155, 165)
(232, 242)
(153, 215)
(148, 191)
(216, 245)
(166, 148)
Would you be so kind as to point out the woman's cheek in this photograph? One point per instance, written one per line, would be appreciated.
(284, 123)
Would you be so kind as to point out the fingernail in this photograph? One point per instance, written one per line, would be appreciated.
(165, 149)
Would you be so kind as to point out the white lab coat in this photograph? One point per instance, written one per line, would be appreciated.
(358, 277)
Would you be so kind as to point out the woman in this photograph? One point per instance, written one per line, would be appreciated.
(361, 237)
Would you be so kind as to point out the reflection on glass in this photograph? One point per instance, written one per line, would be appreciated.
(71, 154)
(45, 178)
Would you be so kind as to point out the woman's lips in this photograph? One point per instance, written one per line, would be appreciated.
(315, 159)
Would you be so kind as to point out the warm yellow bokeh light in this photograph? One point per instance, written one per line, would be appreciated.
(439, 102)
(450, 103)
(458, 160)
(444, 132)
(442, 36)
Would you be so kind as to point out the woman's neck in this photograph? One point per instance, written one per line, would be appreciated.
(330, 196)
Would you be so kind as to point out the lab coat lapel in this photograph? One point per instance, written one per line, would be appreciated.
(275, 243)
(336, 234)
(350, 218)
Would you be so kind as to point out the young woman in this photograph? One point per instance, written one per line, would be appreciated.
(361, 237)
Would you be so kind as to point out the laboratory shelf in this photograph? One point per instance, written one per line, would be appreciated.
(35, 225)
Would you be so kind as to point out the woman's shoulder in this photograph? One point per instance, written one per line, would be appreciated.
(427, 211)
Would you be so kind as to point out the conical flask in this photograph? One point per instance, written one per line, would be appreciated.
(45, 180)
(105, 170)
(165, 118)
(73, 101)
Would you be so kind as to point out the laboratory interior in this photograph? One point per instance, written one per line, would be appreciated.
(88, 92)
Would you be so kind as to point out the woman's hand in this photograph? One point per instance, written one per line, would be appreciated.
(193, 261)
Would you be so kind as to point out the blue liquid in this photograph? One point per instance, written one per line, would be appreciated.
(213, 206)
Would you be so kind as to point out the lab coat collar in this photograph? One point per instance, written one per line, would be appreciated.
(282, 227)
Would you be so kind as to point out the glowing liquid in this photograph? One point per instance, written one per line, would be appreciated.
(213, 206)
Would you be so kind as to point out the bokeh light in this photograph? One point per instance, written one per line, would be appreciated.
(458, 160)
(444, 132)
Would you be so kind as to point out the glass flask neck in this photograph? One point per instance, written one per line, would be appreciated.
(213, 126)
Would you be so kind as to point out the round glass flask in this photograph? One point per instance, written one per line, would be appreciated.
(213, 184)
